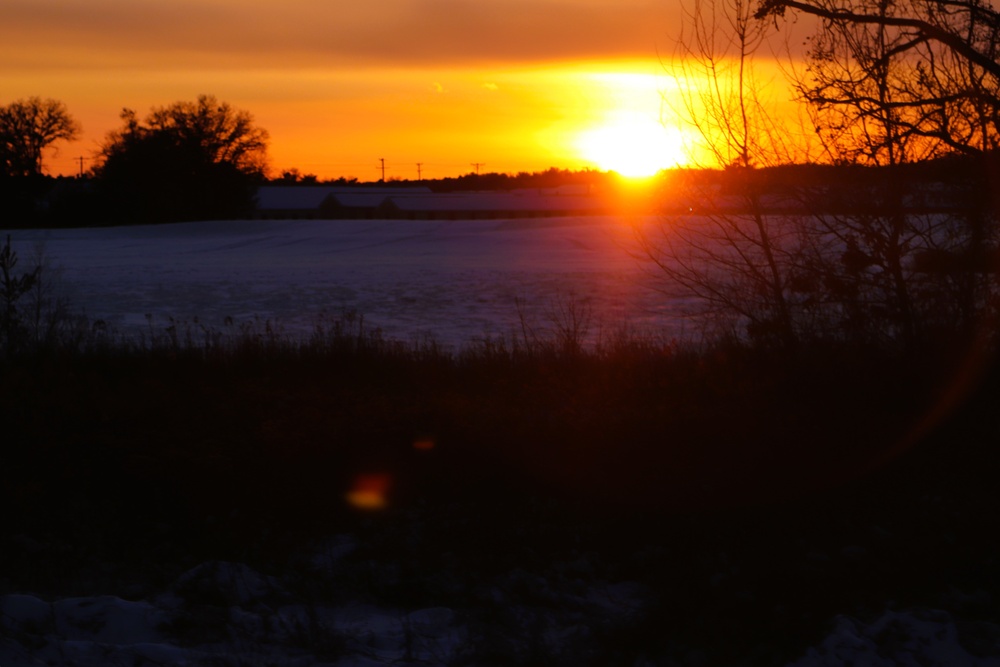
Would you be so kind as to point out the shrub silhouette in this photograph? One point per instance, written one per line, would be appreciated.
(188, 161)
(12, 288)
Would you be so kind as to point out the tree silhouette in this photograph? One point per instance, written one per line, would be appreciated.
(932, 64)
(960, 26)
(876, 258)
(186, 161)
(890, 83)
(12, 288)
(27, 128)
(731, 265)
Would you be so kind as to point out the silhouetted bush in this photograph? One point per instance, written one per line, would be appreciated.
(187, 161)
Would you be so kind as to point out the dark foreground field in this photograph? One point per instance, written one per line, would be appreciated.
(637, 506)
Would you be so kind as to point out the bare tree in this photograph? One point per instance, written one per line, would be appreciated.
(923, 28)
(890, 83)
(224, 134)
(853, 86)
(27, 128)
(941, 60)
(731, 261)
(776, 260)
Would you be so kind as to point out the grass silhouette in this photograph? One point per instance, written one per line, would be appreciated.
(715, 476)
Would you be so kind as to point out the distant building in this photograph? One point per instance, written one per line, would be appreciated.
(419, 203)
(325, 201)
(491, 205)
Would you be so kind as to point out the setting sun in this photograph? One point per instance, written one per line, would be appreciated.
(632, 145)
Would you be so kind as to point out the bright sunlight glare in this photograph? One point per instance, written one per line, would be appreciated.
(632, 145)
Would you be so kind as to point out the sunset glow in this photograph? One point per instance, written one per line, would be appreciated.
(433, 88)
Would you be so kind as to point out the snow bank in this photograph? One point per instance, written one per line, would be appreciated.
(915, 638)
(222, 614)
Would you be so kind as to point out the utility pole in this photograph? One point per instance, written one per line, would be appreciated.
(382, 161)
(81, 158)
(419, 173)
(477, 165)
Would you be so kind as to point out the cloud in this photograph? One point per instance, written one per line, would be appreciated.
(254, 33)
(491, 87)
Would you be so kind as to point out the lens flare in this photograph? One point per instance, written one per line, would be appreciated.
(424, 444)
(370, 491)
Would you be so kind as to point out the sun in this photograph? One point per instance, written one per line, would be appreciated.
(633, 145)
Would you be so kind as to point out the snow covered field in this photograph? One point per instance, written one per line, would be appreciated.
(451, 280)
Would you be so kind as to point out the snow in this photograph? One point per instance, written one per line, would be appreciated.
(895, 639)
(234, 583)
(273, 627)
(453, 281)
(103, 630)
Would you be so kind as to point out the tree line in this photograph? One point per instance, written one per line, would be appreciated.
(196, 160)
(185, 161)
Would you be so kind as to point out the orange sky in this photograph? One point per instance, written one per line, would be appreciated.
(516, 85)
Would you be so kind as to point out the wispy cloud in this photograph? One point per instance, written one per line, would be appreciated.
(161, 33)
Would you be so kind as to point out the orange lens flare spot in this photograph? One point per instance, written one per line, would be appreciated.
(370, 492)
(424, 444)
